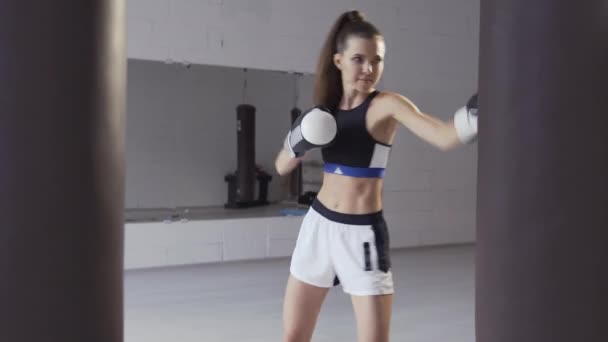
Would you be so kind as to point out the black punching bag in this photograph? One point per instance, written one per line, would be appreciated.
(62, 120)
(295, 177)
(245, 172)
(542, 239)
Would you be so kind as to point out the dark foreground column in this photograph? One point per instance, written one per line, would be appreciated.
(62, 115)
(542, 243)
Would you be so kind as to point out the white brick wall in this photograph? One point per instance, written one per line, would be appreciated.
(431, 58)
(286, 34)
(181, 243)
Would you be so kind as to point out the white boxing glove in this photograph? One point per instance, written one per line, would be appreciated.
(314, 128)
(465, 121)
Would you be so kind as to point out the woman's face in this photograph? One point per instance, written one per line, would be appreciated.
(361, 63)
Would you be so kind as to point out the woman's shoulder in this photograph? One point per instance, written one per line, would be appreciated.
(388, 95)
(391, 100)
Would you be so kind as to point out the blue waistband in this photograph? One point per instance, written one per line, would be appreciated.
(366, 172)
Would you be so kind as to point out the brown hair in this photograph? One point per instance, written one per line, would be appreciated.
(328, 80)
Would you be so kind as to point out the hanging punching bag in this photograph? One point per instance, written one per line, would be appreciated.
(542, 240)
(62, 128)
(245, 172)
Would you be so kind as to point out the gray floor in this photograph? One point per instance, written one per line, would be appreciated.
(241, 301)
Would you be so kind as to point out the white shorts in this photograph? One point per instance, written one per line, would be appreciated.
(353, 250)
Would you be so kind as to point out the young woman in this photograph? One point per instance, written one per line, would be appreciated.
(343, 237)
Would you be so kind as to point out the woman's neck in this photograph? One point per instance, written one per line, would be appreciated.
(352, 98)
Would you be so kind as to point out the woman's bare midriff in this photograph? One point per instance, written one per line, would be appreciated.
(351, 195)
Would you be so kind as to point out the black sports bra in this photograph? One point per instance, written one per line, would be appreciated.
(354, 152)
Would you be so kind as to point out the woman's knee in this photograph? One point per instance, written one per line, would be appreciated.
(296, 335)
